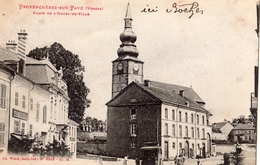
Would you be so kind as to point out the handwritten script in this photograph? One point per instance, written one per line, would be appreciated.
(190, 8)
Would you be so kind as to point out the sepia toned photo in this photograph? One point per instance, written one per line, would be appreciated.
(129, 82)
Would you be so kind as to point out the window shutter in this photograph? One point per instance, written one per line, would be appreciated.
(2, 133)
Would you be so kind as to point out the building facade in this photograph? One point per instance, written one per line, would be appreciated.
(221, 130)
(243, 133)
(142, 111)
(36, 99)
(5, 76)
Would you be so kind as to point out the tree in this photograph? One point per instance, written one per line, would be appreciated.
(243, 120)
(72, 74)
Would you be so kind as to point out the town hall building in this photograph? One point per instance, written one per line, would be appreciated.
(142, 111)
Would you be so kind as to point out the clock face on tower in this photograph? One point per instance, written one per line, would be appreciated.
(120, 66)
(136, 67)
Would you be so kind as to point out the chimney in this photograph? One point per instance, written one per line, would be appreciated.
(182, 93)
(22, 44)
(11, 46)
(21, 51)
(147, 83)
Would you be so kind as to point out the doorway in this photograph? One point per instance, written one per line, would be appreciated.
(186, 149)
(166, 149)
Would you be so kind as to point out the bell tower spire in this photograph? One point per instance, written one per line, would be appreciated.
(127, 67)
(128, 37)
(128, 19)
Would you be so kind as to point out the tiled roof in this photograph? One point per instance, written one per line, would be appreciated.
(188, 92)
(7, 55)
(72, 122)
(244, 126)
(168, 96)
(40, 71)
(219, 125)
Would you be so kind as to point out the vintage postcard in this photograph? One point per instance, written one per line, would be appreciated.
(129, 82)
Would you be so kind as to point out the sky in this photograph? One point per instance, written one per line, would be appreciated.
(214, 51)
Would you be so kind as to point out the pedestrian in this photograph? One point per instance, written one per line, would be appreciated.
(175, 160)
(99, 161)
(137, 162)
(125, 161)
(198, 161)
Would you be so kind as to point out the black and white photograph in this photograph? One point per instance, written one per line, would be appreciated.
(128, 82)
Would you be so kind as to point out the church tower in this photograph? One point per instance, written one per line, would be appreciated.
(127, 67)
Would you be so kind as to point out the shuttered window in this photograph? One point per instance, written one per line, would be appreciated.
(3, 96)
(44, 118)
(2, 133)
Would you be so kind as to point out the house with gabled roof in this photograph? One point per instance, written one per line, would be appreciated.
(151, 113)
(143, 112)
(221, 130)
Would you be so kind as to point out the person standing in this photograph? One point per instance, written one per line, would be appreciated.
(125, 161)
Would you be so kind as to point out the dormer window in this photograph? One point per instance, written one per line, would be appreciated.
(133, 114)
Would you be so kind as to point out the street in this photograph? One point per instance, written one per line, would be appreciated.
(248, 158)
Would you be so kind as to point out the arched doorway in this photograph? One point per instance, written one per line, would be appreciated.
(186, 149)
(208, 145)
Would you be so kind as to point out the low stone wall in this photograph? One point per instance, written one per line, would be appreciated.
(91, 148)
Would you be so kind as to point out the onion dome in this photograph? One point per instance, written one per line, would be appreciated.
(128, 38)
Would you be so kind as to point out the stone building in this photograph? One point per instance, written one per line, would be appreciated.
(144, 111)
(243, 133)
(37, 98)
(221, 130)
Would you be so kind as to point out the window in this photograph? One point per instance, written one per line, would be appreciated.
(16, 98)
(16, 126)
(198, 133)
(119, 88)
(192, 146)
(166, 113)
(180, 131)
(173, 145)
(203, 120)
(132, 145)
(180, 145)
(186, 117)
(198, 119)
(133, 114)
(133, 129)
(3, 96)
(30, 130)
(186, 131)
(192, 118)
(31, 104)
(250, 137)
(192, 132)
(166, 129)
(37, 111)
(2, 133)
(245, 137)
(203, 132)
(23, 103)
(179, 115)
(23, 128)
(173, 114)
(173, 130)
(44, 115)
